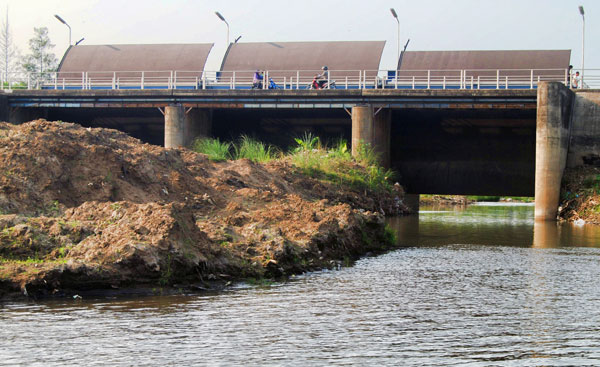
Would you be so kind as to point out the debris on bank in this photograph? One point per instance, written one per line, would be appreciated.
(84, 208)
(580, 195)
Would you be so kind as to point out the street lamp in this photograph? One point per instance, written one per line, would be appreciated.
(582, 44)
(398, 21)
(223, 19)
(65, 23)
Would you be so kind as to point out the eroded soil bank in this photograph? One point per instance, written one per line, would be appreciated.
(580, 195)
(89, 208)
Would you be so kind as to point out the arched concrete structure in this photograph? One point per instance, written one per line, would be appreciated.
(342, 58)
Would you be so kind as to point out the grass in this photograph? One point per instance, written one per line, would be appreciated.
(333, 163)
(213, 148)
(336, 164)
(254, 150)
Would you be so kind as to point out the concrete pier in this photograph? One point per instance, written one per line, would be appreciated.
(554, 104)
(412, 202)
(174, 126)
(362, 127)
(372, 129)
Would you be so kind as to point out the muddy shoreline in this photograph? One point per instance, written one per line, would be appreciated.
(86, 209)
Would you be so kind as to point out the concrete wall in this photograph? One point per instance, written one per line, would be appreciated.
(555, 102)
(584, 147)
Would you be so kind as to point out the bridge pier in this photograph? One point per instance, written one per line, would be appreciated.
(181, 127)
(554, 104)
(373, 129)
(174, 126)
(412, 202)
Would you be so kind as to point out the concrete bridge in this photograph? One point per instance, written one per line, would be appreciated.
(482, 142)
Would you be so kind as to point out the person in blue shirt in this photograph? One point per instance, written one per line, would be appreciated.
(257, 80)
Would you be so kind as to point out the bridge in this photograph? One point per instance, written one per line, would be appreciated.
(450, 122)
(513, 142)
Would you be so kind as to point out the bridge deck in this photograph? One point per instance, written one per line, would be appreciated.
(284, 99)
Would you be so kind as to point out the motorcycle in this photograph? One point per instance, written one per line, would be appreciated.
(324, 85)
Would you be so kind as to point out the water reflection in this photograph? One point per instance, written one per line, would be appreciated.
(546, 235)
(490, 224)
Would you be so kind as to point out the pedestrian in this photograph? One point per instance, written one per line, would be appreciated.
(576, 81)
(570, 75)
(257, 80)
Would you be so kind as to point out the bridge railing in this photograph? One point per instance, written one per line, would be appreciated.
(298, 79)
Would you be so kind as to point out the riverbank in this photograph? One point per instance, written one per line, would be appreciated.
(90, 208)
(580, 195)
(465, 200)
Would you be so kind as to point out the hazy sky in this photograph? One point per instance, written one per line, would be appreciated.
(430, 24)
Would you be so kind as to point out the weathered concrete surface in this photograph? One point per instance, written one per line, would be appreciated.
(552, 144)
(174, 126)
(362, 127)
(372, 129)
(198, 123)
(584, 147)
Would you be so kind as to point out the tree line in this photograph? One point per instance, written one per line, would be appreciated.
(40, 60)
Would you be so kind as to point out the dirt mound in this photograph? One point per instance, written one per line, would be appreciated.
(580, 195)
(89, 208)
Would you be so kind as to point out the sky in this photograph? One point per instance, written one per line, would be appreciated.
(429, 24)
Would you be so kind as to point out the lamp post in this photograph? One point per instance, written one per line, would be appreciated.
(398, 21)
(582, 44)
(223, 19)
(65, 23)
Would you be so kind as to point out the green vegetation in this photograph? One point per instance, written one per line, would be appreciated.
(254, 150)
(390, 236)
(337, 165)
(213, 148)
(333, 163)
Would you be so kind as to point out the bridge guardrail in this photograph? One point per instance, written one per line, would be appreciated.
(298, 79)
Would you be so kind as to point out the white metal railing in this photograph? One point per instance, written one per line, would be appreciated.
(298, 79)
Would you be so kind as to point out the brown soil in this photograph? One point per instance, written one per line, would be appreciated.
(86, 208)
(580, 196)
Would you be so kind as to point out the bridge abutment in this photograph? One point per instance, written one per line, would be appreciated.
(554, 104)
(372, 129)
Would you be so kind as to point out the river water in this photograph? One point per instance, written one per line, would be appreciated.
(478, 287)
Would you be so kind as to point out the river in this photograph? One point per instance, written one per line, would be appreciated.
(483, 286)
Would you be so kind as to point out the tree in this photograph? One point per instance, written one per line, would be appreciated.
(40, 61)
(9, 53)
